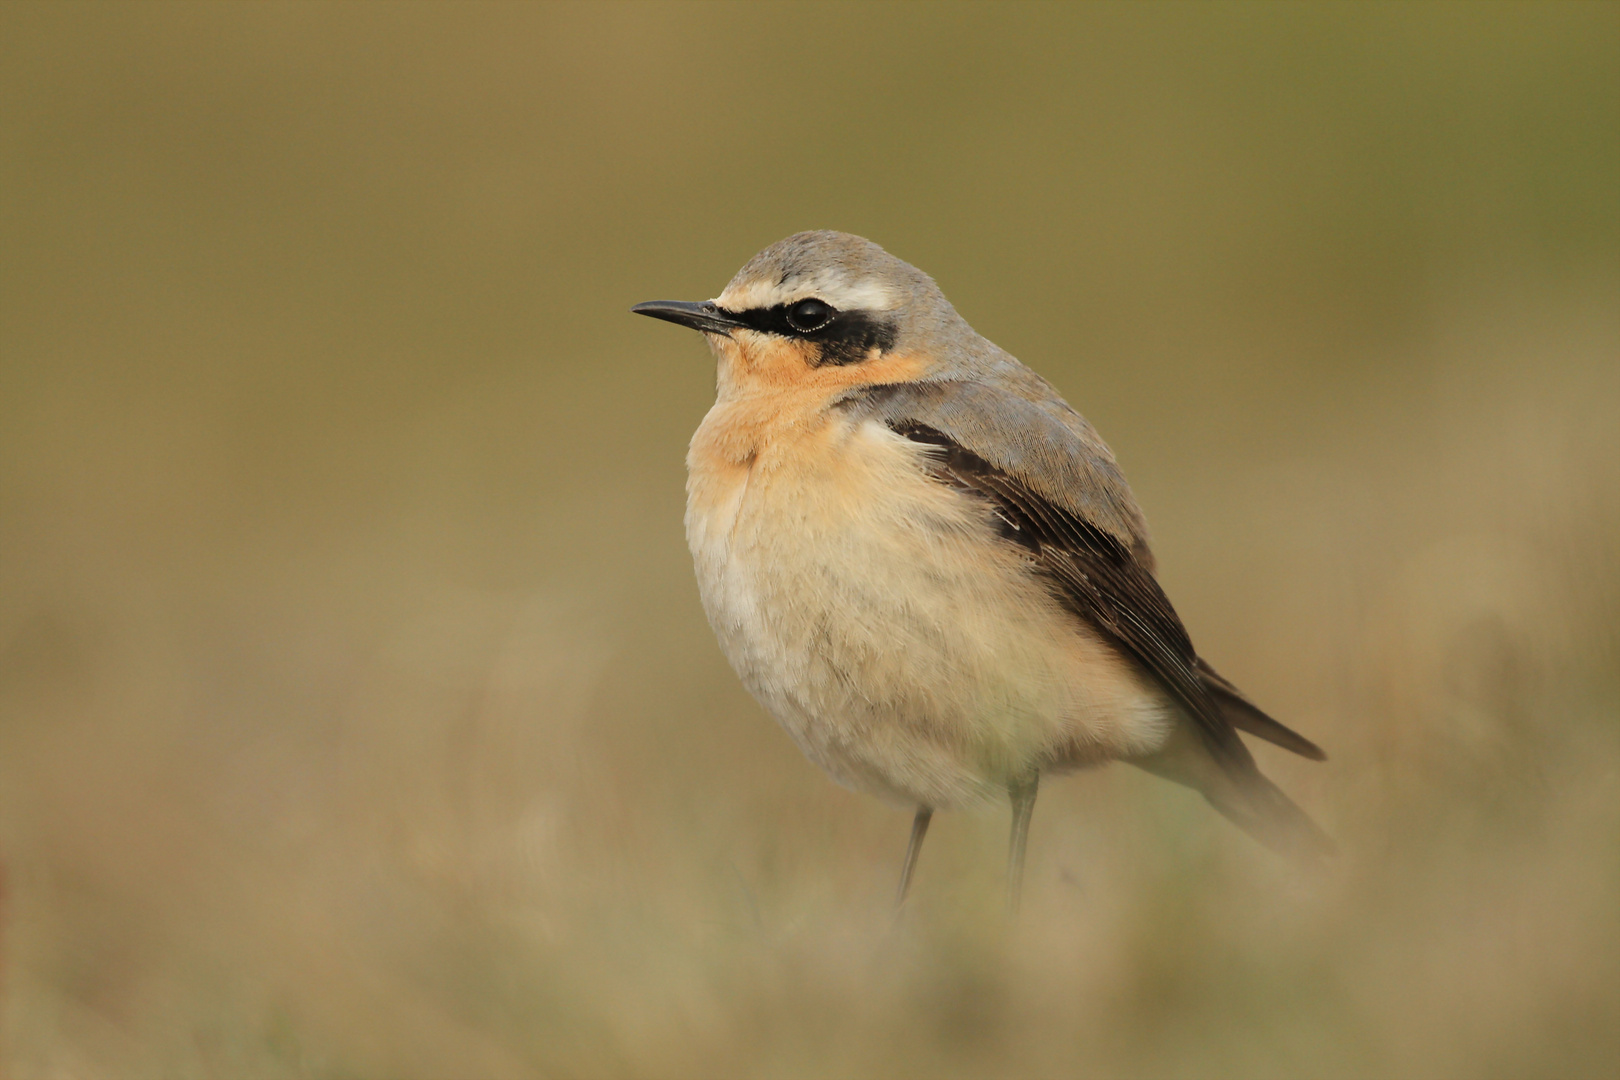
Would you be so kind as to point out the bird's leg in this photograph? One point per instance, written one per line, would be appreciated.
(919, 829)
(1022, 793)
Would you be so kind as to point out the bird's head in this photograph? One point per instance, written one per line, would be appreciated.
(825, 308)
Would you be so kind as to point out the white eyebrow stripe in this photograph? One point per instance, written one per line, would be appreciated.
(864, 295)
(833, 288)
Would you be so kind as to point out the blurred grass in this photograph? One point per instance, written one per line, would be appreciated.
(357, 716)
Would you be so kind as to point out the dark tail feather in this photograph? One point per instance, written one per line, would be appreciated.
(1242, 795)
(1242, 714)
(1258, 807)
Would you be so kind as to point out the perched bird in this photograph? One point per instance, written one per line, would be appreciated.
(928, 567)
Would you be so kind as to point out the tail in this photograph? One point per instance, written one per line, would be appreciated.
(1236, 788)
(1258, 807)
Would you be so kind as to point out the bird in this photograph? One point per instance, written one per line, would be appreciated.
(928, 567)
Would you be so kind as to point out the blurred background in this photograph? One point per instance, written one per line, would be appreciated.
(357, 714)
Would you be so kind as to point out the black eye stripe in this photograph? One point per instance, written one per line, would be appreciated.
(774, 320)
(845, 338)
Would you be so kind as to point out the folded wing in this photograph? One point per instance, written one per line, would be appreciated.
(1054, 489)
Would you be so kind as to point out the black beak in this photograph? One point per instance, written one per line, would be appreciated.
(706, 316)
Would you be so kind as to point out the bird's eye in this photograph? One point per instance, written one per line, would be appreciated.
(811, 314)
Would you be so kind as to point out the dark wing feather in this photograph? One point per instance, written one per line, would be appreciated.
(1100, 579)
(1245, 715)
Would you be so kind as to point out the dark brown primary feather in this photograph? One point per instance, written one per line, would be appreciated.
(1245, 715)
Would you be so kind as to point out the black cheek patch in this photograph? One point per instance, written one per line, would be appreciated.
(851, 336)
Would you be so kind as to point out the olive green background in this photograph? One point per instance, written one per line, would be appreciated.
(357, 714)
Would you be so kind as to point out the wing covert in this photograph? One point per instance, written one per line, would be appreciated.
(1030, 435)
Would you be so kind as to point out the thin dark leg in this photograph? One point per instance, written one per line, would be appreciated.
(919, 829)
(1022, 793)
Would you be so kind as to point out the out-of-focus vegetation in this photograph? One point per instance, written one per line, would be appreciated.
(357, 714)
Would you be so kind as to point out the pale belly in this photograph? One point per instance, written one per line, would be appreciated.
(904, 646)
